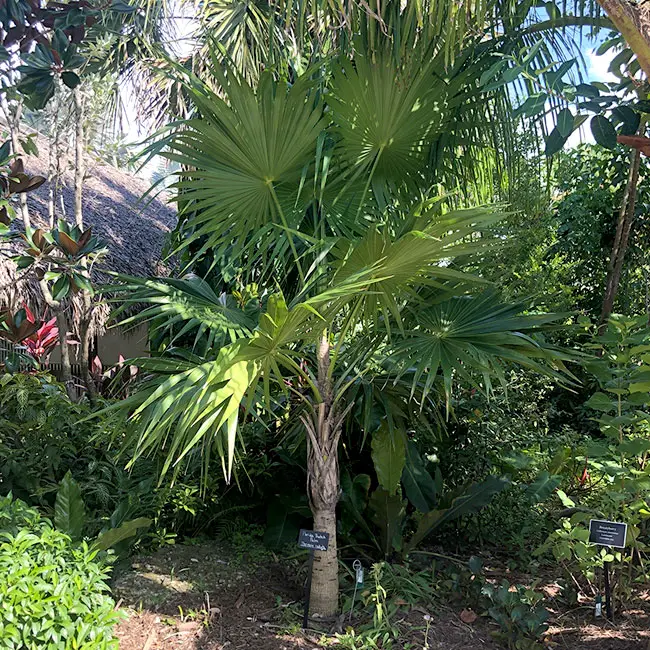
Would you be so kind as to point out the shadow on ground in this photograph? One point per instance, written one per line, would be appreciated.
(200, 598)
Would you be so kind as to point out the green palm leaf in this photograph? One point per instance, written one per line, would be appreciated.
(184, 305)
(384, 118)
(243, 161)
(474, 334)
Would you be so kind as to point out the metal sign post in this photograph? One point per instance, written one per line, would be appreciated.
(312, 540)
(608, 590)
(611, 535)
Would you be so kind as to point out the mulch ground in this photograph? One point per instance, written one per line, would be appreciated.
(197, 598)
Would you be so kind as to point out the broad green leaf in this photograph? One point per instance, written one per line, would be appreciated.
(388, 514)
(61, 288)
(354, 500)
(419, 485)
(554, 142)
(474, 498)
(389, 456)
(543, 487)
(603, 131)
(634, 446)
(69, 510)
(630, 118)
(554, 79)
(587, 90)
(566, 501)
(565, 123)
(534, 105)
(640, 387)
(113, 536)
(70, 79)
(600, 402)
(492, 72)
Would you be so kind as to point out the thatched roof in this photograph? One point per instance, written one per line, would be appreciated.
(134, 231)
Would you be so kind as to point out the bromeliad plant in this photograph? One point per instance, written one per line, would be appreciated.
(327, 265)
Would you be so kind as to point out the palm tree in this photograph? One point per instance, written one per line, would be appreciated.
(329, 262)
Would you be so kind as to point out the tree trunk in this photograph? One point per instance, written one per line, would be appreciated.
(84, 352)
(79, 167)
(633, 21)
(66, 367)
(86, 299)
(62, 324)
(621, 240)
(323, 488)
(13, 121)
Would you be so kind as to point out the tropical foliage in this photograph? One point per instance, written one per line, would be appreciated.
(379, 321)
(52, 588)
(331, 264)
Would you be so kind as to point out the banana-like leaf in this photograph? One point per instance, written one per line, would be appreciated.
(419, 486)
(69, 509)
(543, 487)
(354, 501)
(474, 498)
(114, 536)
(388, 455)
(388, 512)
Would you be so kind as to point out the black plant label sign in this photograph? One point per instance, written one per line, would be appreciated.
(313, 540)
(607, 533)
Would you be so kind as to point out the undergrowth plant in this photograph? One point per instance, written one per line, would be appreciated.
(616, 474)
(519, 613)
(53, 593)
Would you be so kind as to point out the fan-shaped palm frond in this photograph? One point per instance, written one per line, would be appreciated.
(183, 307)
(394, 266)
(243, 161)
(385, 117)
(474, 334)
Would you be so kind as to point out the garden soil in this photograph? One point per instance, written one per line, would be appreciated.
(200, 597)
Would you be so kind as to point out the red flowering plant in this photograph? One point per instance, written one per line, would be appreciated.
(41, 343)
(37, 338)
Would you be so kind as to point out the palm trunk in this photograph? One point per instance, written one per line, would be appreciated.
(323, 488)
(324, 598)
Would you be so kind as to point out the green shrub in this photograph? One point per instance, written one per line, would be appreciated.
(43, 436)
(519, 613)
(53, 594)
(16, 514)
